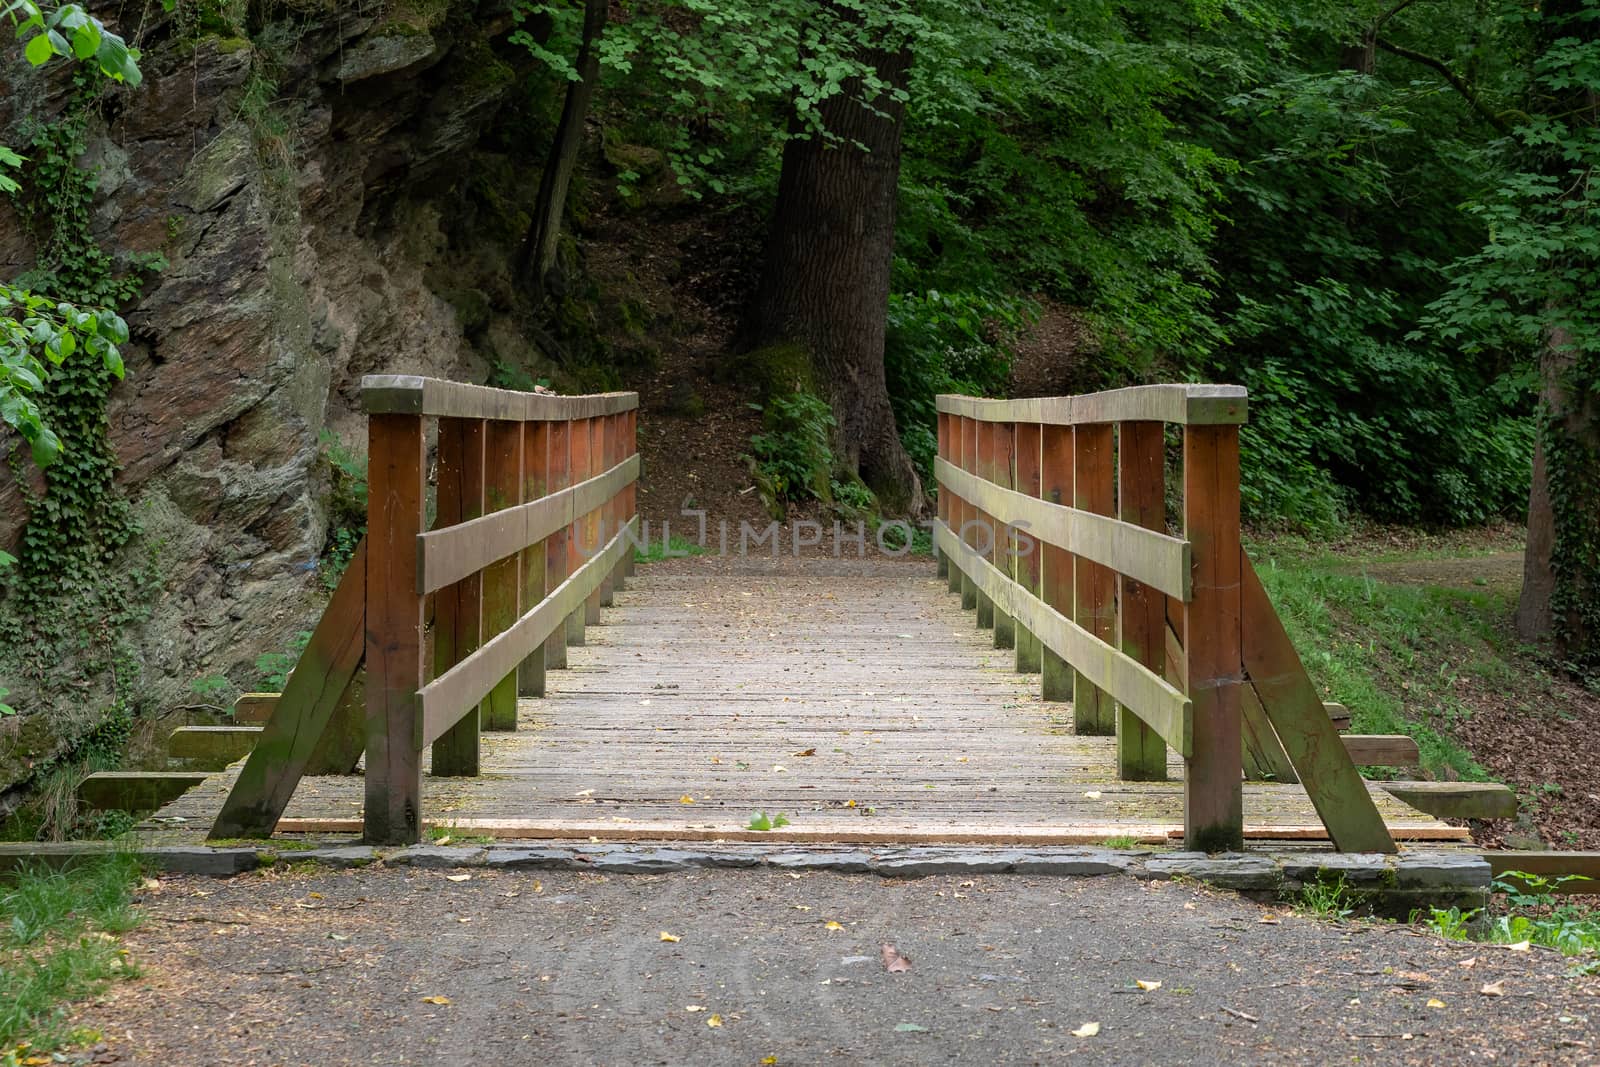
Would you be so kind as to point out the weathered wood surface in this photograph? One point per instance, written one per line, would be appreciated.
(1457, 800)
(702, 686)
(1193, 405)
(135, 790)
(404, 394)
(1582, 867)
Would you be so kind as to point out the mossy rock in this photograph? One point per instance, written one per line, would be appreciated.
(775, 370)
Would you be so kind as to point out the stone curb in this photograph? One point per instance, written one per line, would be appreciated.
(1412, 878)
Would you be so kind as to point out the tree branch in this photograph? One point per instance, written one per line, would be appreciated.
(1450, 76)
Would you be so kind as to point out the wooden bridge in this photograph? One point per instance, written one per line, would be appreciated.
(501, 669)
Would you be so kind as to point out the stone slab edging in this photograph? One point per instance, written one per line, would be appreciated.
(1414, 876)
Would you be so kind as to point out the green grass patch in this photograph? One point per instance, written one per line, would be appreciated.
(58, 944)
(1390, 652)
(1528, 911)
(658, 550)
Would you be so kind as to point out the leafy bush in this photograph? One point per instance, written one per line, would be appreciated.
(792, 456)
(939, 342)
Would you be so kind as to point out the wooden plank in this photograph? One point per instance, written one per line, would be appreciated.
(1456, 800)
(1149, 555)
(1264, 757)
(135, 790)
(1094, 586)
(556, 560)
(502, 580)
(1028, 564)
(579, 440)
(472, 679)
(344, 739)
(396, 469)
(1582, 867)
(1213, 803)
(404, 394)
(302, 713)
(970, 518)
(983, 531)
(1056, 578)
(1166, 710)
(1382, 750)
(1338, 714)
(1192, 405)
(212, 746)
(451, 553)
(460, 478)
(593, 539)
(1141, 611)
(1303, 726)
(255, 708)
(535, 576)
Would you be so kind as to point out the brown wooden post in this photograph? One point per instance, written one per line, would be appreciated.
(457, 608)
(1094, 606)
(1028, 549)
(394, 624)
(630, 507)
(535, 484)
(502, 593)
(942, 430)
(983, 533)
(578, 454)
(1004, 557)
(591, 527)
(969, 513)
(1141, 611)
(1213, 809)
(1055, 581)
(610, 440)
(555, 552)
(957, 457)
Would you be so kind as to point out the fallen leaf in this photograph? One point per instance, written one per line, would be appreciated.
(1087, 1030)
(458, 877)
(1494, 989)
(1093, 794)
(686, 799)
(670, 937)
(1270, 920)
(831, 925)
(767, 1061)
(716, 759)
(910, 1028)
(150, 883)
(1470, 961)
(893, 962)
(849, 803)
(714, 1021)
(1520, 946)
(435, 1000)
(584, 793)
(445, 840)
(1148, 987)
(1435, 1002)
(778, 768)
(694, 1007)
(807, 752)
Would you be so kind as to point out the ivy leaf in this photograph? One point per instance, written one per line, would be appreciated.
(38, 50)
(45, 445)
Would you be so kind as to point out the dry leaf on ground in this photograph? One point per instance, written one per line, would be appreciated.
(893, 962)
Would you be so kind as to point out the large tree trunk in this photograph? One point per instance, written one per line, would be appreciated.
(539, 249)
(825, 286)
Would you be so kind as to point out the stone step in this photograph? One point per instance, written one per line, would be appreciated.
(135, 790)
(213, 747)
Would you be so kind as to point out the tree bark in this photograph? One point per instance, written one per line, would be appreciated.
(539, 248)
(825, 285)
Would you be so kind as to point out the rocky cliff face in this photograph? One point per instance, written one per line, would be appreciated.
(325, 192)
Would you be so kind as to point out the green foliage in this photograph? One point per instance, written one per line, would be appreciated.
(58, 943)
(673, 547)
(941, 342)
(761, 821)
(347, 511)
(1531, 913)
(1331, 899)
(69, 32)
(792, 456)
(274, 667)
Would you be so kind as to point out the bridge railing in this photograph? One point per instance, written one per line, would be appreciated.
(533, 529)
(1052, 525)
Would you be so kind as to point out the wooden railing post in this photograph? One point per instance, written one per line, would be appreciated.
(967, 513)
(1056, 573)
(592, 542)
(1093, 712)
(394, 623)
(556, 546)
(502, 601)
(1213, 809)
(611, 443)
(1004, 557)
(578, 452)
(942, 424)
(984, 532)
(1141, 611)
(1028, 570)
(535, 484)
(457, 608)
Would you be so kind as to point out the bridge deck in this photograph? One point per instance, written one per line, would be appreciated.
(854, 697)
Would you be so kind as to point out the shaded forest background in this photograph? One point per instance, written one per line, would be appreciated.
(791, 224)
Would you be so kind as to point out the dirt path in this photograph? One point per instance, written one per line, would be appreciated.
(325, 967)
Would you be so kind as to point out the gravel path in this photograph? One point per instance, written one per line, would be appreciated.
(315, 966)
